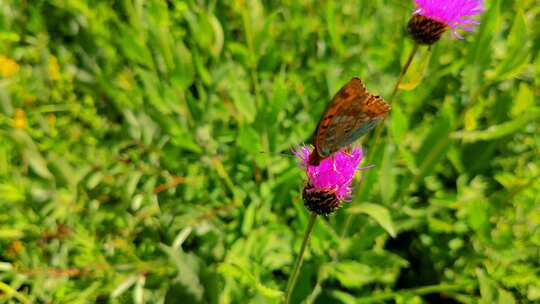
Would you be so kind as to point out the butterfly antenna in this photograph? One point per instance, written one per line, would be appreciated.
(282, 153)
(366, 167)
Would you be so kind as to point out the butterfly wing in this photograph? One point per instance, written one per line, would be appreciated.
(352, 113)
(372, 110)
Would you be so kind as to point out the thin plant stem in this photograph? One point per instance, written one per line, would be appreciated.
(403, 72)
(300, 258)
(379, 128)
(404, 69)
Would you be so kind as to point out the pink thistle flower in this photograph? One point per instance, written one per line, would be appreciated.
(329, 183)
(431, 18)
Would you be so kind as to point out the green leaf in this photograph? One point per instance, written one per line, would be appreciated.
(187, 282)
(182, 138)
(7, 233)
(31, 153)
(217, 44)
(11, 193)
(371, 176)
(133, 45)
(434, 147)
(399, 123)
(523, 101)
(249, 218)
(332, 26)
(416, 70)
(132, 182)
(478, 216)
(377, 212)
(124, 286)
(517, 52)
(487, 288)
(235, 271)
(245, 105)
(343, 297)
(138, 291)
(352, 274)
(501, 130)
(277, 101)
(388, 177)
(479, 55)
(184, 73)
(248, 139)
(506, 297)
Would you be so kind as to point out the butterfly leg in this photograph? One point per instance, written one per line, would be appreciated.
(348, 150)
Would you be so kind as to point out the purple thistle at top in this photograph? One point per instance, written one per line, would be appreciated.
(329, 183)
(431, 18)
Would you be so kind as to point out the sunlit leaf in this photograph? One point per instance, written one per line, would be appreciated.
(377, 212)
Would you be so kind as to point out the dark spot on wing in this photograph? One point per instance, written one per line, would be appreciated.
(344, 94)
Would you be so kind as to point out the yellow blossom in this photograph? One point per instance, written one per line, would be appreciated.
(8, 66)
(54, 68)
(19, 121)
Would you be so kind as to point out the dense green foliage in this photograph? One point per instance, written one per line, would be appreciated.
(131, 168)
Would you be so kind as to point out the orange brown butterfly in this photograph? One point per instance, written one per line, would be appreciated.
(352, 113)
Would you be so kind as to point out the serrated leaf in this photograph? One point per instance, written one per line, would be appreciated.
(244, 275)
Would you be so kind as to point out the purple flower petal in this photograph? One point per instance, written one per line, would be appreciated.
(456, 14)
(334, 173)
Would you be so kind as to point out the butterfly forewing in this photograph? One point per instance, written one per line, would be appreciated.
(352, 113)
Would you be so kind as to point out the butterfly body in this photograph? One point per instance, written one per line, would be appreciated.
(352, 113)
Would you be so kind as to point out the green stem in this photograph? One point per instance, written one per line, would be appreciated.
(379, 128)
(300, 258)
(404, 71)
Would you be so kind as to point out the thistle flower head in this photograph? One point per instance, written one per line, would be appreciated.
(329, 183)
(431, 18)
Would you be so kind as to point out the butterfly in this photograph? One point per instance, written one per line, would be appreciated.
(352, 112)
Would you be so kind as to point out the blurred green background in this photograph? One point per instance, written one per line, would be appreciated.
(131, 168)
